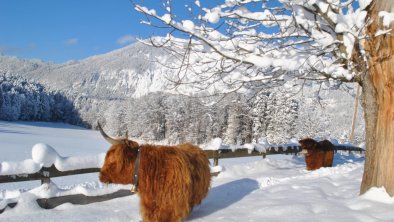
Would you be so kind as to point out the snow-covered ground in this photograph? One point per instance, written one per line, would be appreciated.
(277, 188)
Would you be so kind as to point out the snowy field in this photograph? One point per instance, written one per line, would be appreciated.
(277, 188)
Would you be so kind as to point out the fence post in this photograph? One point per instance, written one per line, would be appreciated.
(216, 158)
(45, 175)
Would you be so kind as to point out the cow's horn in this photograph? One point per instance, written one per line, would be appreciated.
(108, 138)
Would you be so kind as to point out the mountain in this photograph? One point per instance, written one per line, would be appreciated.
(118, 88)
(129, 71)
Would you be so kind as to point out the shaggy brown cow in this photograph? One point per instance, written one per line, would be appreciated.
(170, 179)
(317, 154)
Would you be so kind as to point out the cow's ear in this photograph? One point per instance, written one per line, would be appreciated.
(132, 144)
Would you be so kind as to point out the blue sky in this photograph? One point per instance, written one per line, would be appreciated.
(62, 30)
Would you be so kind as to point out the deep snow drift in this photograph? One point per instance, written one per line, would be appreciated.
(277, 188)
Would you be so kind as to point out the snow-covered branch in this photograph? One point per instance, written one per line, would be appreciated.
(303, 39)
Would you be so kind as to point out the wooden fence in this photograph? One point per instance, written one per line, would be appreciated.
(46, 173)
(288, 149)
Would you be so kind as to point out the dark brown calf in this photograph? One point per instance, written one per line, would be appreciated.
(317, 154)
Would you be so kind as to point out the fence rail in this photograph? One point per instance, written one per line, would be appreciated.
(46, 173)
(80, 199)
(243, 152)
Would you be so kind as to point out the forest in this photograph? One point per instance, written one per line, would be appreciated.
(172, 118)
(21, 99)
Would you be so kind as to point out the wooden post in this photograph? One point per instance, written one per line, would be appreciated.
(45, 175)
(216, 158)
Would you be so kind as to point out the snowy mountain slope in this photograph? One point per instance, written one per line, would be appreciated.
(277, 188)
(129, 71)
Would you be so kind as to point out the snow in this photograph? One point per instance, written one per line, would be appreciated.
(324, 32)
(388, 18)
(323, 38)
(73, 163)
(145, 10)
(382, 32)
(23, 167)
(262, 145)
(166, 18)
(46, 158)
(364, 3)
(346, 26)
(213, 15)
(277, 188)
(188, 25)
(214, 144)
(378, 194)
(87, 189)
(44, 154)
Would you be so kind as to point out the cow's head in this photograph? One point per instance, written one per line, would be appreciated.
(308, 145)
(119, 161)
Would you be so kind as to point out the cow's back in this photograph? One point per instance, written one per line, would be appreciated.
(328, 149)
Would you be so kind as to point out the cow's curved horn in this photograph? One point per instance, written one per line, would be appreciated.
(108, 138)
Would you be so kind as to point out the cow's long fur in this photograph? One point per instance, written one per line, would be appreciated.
(172, 179)
(317, 154)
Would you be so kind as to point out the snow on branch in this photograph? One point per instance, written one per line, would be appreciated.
(300, 38)
(387, 17)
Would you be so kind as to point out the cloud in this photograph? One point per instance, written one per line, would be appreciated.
(6, 49)
(71, 41)
(126, 39)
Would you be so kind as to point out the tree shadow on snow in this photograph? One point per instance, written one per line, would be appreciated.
(340, 159)
(223, 196)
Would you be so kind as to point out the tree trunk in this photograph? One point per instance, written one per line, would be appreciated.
(378, 102)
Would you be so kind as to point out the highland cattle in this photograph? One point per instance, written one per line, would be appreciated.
(317, 154)
(170, 180)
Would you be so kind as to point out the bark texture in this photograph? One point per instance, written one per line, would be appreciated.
(378, 101)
